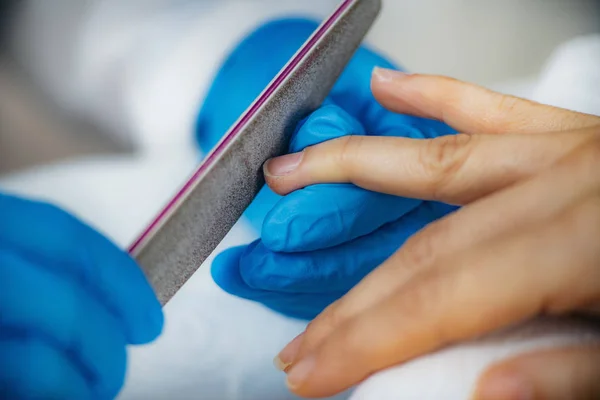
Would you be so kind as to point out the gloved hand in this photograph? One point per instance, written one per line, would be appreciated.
(318, 242)
(70, 302)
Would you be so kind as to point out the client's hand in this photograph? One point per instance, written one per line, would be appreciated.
(526, 242)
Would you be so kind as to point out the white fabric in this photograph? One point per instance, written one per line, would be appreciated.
(452, 373)
(571, 79)
(219, 347)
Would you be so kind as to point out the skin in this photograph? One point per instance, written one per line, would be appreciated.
(527, 176)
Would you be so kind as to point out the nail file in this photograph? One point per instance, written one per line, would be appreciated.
(198, 217)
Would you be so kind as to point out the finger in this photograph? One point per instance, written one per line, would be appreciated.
(569, 373)
(327, 123)
(353, 93)
(299, 294)
(66, 246)
(453, 169)
(469, 108)
(324, 216)
(44, 304)
(526, 204)
(334, 269)
(225, 271)
(31, 368)
(431, 310)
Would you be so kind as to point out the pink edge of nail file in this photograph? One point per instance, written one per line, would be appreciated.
(199, 216)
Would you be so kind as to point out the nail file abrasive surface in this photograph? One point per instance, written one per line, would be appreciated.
(199, 216)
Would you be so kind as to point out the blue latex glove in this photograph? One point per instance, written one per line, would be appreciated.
(318, 242)
(70, 302)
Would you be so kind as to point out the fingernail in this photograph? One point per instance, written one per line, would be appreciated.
(284, 165)
(286, 357)
(504, 387)
(300, 372)
(388, 75)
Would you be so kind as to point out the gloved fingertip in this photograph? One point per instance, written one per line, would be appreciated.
(260, 207)
(327, 123)
(225, 270)
(274, 241)
(258, 268)
(141, 311)
(150, 328)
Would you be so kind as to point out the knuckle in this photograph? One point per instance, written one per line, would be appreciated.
(442, 158)
(422, 250)
(322, 322)
(349, 151)
(507, 105)
(506, 113)
(419, 251)
(322, 325)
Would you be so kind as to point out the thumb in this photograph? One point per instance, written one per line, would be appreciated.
(470, 108)
(570, 373)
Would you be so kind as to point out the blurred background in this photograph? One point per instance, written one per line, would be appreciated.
(482, 41)
(486, 42)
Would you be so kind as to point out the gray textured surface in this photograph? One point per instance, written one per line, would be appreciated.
(187, 236)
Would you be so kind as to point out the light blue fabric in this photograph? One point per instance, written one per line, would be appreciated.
(70, 302)
(318, 242)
